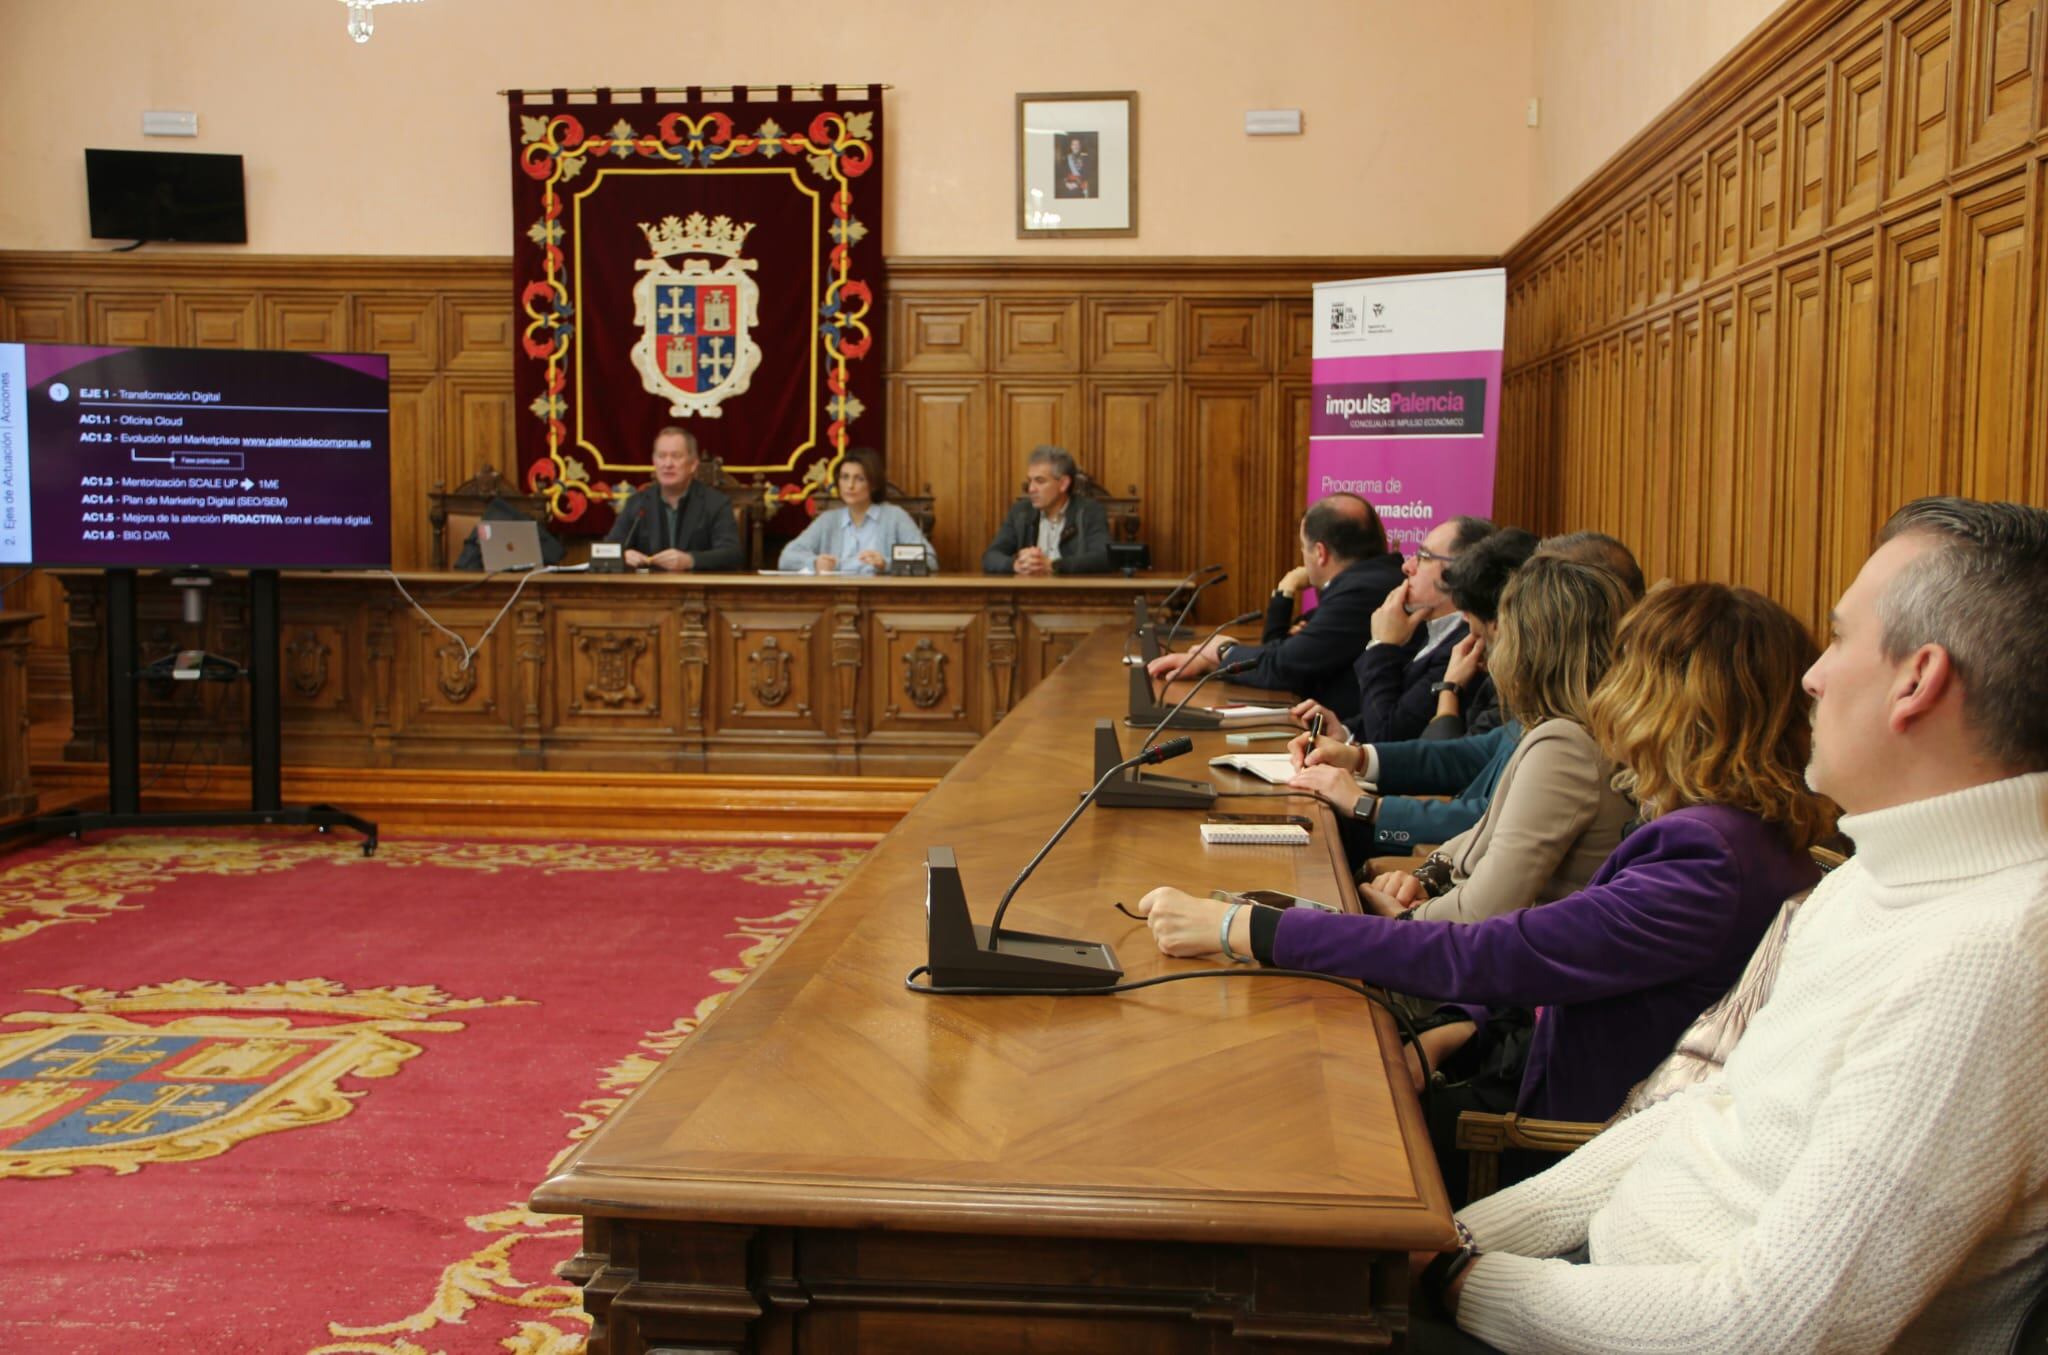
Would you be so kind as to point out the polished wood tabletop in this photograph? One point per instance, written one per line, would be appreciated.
(826, 1095)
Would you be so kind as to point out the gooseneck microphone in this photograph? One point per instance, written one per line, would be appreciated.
(1225, 670)
(1186, 583)
(1144, 757)
(1195, 596)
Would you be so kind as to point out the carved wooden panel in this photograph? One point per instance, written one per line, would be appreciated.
(1130, 423)
(440, 688)
(1129, 334)
(922, 676)
(406, 329)
(477, 426)
(219, 320)
(764, 668)
(415, 436)
(1617, 267)
(1916, 299)
(479, 335)
(940, 334)
(1225, 336)
(1687, 558)
(1229, 420)
(1641, 256)
(1692, 225)
(31, 317)
(1787, 539)
(939, 437)
(1719, 483)
(1854, 502)
(1755, 487)
(1660, 416)
(1806, 160)
(1297, 324)
(1859, 129)
(1631, 469)
(1724, 207)
(312, 322)
(1038, 334)
(315, 663)
(1664, 243)
(1998, 92)
(122, 318)
(1593, 312)
(609, 672)
(1996, 281)
(1764, 189)
(1049, 636)
(1922, 79)
(1033, 414)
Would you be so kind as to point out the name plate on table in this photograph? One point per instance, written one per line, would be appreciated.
(607, 557)
(907, 560)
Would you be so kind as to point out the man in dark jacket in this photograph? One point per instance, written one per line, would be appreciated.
(676, 524)
(1344, 549)
(1051, 530)
(1413, 634)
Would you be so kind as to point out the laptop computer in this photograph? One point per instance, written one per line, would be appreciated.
(507, 545)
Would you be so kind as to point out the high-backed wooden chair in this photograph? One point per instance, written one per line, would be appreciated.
(1125, 524)
(1484, 1136)
(454, 513)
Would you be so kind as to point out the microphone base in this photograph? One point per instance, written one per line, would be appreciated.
(962, 954)
(1147, 712)
(1135, 790)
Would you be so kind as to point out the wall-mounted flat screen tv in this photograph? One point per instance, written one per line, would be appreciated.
(125, 458)
(165, 195)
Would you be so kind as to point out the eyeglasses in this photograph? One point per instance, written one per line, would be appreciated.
(1424, 556)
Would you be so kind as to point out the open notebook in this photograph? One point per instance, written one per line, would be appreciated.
(1278, 768)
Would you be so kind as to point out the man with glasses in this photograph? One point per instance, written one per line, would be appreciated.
(1051, 530)
(1401, 669)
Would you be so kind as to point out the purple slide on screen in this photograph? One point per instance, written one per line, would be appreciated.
(164, 457)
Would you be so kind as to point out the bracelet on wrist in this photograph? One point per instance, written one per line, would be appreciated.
(1223, 933)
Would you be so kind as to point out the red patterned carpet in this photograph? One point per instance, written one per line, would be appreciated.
(264, 1094)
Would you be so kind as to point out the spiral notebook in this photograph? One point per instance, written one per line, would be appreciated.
(1256, 834)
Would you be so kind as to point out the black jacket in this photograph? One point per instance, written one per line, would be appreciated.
(1394, 700)
(1084, 538)
(705, 527)
(1317, 661)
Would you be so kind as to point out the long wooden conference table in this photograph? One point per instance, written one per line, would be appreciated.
(834, 1163)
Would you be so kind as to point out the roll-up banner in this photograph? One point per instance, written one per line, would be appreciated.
(1406, 409)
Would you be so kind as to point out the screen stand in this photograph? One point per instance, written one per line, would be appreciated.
(124, 735)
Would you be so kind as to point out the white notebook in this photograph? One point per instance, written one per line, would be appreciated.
(1260, 834)
(1278, 768)
(1249, 715)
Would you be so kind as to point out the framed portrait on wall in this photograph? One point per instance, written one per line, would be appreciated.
(1077, 164)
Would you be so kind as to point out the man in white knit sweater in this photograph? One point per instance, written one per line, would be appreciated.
(1870, 1169)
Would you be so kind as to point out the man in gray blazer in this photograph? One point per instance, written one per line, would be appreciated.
(676, 524)
(1051, 530)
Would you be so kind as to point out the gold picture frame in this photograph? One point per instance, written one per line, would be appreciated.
(1077, 165)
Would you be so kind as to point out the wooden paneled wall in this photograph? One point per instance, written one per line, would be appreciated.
(1812, 291)
(1186, 378)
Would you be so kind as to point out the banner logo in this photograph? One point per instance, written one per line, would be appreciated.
(1401, 409)
(1343, 318)
(696, 343)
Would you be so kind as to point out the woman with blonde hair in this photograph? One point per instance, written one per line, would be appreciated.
(1555, 814)
(1703, 712)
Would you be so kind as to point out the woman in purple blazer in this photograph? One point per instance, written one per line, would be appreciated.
(1703, 713)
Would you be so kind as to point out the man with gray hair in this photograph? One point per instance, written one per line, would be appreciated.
(1869, 1169)
(1051, 530)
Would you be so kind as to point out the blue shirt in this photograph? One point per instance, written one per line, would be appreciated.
(835, 533)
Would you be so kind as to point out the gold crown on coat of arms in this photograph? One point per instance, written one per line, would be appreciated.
(695, 234)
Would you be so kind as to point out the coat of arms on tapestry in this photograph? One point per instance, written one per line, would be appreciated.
(714, 261)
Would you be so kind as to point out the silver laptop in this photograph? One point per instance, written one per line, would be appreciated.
(510, 544)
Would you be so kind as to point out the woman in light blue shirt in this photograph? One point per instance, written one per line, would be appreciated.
(855, 538)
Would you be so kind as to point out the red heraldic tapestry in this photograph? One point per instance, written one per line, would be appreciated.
(714, 263)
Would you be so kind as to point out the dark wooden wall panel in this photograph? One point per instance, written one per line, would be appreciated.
(1842, 308)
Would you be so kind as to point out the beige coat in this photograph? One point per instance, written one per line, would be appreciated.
(1550, 825)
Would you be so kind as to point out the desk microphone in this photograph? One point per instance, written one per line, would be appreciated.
(965, 955)
(1193, 597)
(1185, 584)
(1145, 694)
(1225, 670)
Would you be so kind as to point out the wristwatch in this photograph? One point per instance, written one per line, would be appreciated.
(1434, 1283)
(1439, 688)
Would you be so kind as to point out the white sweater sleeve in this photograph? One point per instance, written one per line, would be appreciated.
(1546, 1214)
(1921, 1142)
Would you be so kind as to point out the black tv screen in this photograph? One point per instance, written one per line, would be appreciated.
(164, 195)
(122, 458)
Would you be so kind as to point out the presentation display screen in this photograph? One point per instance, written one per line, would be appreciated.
(165, 195)
(171, 457)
